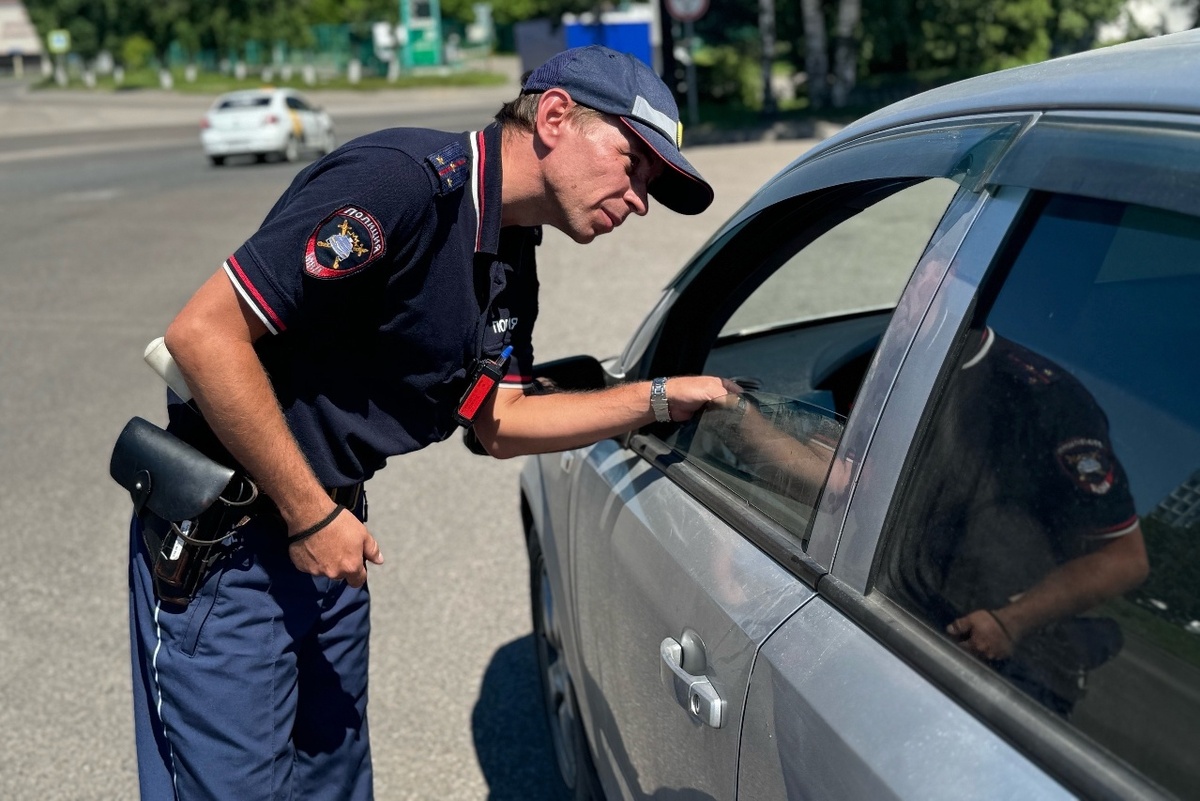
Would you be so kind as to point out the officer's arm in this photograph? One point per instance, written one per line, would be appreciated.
(512, 423)
(1070, 589)
(212, 341)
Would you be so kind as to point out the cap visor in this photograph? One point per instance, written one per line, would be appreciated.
(680, 187)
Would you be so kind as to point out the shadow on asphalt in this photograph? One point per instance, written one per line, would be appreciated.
(508, 726)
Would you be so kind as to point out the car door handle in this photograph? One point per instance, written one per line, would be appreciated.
(694, 693)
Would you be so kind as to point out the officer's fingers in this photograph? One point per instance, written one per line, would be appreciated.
(358, 576)
(959, 628)
(371, 551)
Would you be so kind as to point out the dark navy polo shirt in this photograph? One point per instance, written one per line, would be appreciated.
(382, 274)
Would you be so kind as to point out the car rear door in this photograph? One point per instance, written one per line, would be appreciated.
(687, 542)
(1084, 253)
(305, 124)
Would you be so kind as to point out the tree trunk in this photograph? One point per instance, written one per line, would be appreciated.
(816, 55)
(845, 61)
(766, 29)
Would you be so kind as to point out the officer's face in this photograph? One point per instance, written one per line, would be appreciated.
(599, 177)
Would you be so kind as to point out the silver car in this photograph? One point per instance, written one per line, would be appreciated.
(946, 544)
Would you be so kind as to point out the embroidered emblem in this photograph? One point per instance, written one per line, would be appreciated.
(450, 164)
(344, 243)
(1088, 463)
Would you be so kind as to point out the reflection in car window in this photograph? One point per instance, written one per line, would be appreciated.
(863, 263)
(772, 452)
(1050, 523)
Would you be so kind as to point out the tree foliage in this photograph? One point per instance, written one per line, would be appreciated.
(833, 41)
(221, 25)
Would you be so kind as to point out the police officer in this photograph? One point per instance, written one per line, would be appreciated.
(347, 329)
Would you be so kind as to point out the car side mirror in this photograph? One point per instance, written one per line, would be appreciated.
(570, 373)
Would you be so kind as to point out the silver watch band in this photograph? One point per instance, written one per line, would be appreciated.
(658, 400)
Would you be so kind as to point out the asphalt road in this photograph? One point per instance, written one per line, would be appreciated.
(103, 236)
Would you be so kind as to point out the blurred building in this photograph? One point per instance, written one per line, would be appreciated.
(1182, 507)
(20, 47)
(1153, 17)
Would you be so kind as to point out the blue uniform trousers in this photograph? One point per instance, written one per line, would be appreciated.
(258, 688)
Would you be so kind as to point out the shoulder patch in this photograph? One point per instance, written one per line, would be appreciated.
(344, 243)
(450, 165)
(1088, 463)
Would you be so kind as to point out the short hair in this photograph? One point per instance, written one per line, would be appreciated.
(520, 114)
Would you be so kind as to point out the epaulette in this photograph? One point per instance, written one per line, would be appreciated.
(1029, 367)
(450, 166)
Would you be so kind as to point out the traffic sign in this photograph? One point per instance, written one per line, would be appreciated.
(687, 10)
(58, 41)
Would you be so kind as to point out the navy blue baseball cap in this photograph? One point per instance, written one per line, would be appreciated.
(622, 85)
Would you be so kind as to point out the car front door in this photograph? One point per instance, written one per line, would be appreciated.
(688, 543)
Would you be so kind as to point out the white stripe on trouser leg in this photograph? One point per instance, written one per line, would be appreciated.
(158, 702)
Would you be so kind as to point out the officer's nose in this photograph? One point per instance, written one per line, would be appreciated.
(638, 196)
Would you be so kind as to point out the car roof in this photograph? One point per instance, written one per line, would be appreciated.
(1158, 74)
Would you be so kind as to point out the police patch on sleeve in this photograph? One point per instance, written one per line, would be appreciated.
(344, 243)
(1088, 463)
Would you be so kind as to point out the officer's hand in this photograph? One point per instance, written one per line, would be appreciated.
(686, 394)
(339, 551)
(981, 634)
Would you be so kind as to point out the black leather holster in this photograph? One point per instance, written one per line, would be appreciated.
(187, 503)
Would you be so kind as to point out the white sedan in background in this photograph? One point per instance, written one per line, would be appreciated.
(265, 123)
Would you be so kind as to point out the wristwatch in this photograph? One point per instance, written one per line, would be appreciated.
(658, 400)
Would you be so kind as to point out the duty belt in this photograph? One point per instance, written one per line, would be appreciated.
(347, 496)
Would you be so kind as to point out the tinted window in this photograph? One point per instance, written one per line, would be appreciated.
(1049, 522)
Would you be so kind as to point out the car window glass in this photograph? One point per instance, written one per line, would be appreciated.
(810, 329)
(802, 377)
(240, 103)
(861, 264)
(1049, 521)
(296, 103)
(772, 452)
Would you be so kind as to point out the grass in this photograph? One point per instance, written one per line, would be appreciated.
(207, 83)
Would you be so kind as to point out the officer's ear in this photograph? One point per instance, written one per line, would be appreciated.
(552, 115)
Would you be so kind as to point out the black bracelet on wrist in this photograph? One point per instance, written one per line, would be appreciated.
(1000, 623)
(313, 529)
